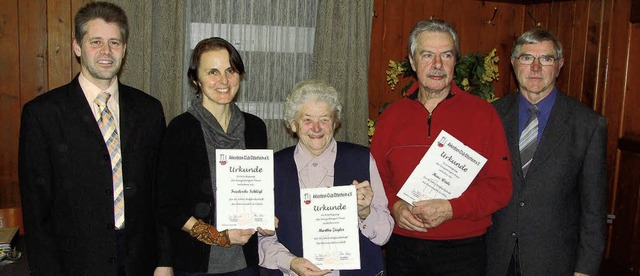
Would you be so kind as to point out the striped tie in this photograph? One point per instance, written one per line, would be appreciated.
(529, 140)
(110, 134)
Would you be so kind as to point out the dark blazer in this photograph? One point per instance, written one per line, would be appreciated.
(558, 212)
(185, 190)
(66, 183)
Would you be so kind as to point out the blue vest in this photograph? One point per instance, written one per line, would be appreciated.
(352, 163)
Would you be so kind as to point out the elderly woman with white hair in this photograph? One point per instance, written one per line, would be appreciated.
(313, 112)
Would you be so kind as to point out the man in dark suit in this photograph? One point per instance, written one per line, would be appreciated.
(87, 162)
(555, 221)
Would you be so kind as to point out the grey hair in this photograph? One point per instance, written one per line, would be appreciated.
(311, 90)
(433, 26)
(535, 36)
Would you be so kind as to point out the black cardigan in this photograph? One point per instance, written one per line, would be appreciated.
(184, 188)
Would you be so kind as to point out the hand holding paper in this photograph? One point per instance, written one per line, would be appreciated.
(266, 232)
(444, 172)
(432, 212)
(240, 236)
(406, 219)
(364, 195)
(302, 266)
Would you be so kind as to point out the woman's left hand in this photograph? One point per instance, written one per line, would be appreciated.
(365, 195)
(267, 232)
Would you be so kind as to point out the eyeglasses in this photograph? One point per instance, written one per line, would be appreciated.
(529, 59)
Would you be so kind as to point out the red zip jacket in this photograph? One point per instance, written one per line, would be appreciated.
(406, 130)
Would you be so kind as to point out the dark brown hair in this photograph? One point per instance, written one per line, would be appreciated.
(109, 12)
(210, 44)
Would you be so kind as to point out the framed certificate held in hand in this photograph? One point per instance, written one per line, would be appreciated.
(244, 189)
(330, 236)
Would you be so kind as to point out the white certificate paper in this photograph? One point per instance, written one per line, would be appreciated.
(330, 237)
(444, 172)
(244, 189)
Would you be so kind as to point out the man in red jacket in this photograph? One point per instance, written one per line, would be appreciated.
(440, 236)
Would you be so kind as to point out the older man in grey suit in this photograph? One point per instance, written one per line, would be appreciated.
(555, 221)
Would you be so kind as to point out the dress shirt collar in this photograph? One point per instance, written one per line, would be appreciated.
(315, 171)
(303, 156)
(91, 91)
(544, 111)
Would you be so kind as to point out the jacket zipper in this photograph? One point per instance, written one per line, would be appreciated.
(430, 114)
(429, 125)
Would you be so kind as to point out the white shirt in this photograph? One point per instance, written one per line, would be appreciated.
(91, 93)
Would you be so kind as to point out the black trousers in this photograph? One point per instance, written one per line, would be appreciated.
(410, 256)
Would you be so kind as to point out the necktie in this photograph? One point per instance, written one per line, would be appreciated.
(110, 134)
(529, 139)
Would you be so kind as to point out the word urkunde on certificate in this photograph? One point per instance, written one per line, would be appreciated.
(444, 172)
(330, 237)
(244, 189)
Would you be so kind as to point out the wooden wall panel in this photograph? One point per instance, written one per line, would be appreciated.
(376, 77)
(60, 54)
(623, 163)
(537, 16)
(32, 70)
(23, 77)
(33, 49)
(395, 31)
(623, 256)
(635, 11)
(564, 18)
(624, 252)
(578, 55)
(36, 38)
(608, 97)
(615, 66)
(631, 113)
(595, 54)
(9, 102)
(390, 44)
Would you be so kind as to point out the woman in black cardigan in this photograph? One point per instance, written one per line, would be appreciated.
(186, 178)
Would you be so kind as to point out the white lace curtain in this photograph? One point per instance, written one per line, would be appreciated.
(281, 42)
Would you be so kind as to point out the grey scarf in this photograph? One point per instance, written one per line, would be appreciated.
(214, 136)
(221, 259)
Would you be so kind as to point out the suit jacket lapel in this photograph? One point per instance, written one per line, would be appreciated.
(128, 115)
(81, 113)
(554, 132)
(512, 132)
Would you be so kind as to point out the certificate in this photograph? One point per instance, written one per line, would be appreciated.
(330, 236)
(444, 172)
(244, 189)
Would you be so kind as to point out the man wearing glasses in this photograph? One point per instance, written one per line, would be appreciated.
(555, 221)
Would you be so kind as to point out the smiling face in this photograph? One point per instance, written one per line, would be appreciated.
(217, 80)
(434, 61)
(314, 124)
(536, 81)
(101, 52)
